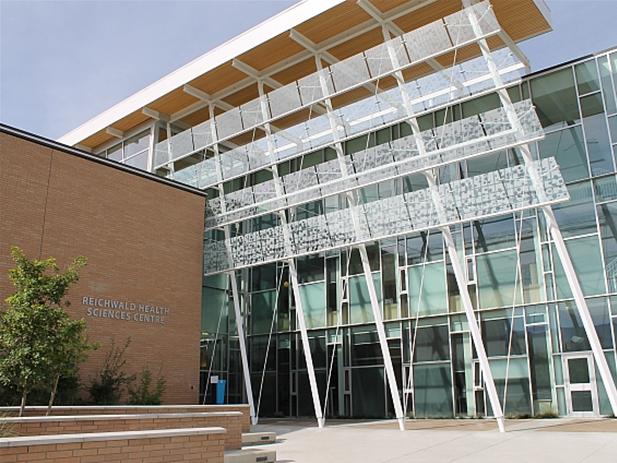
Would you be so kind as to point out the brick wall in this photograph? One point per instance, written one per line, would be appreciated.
(136, 409)
(143, 241)
(203, 447)
(41, 426)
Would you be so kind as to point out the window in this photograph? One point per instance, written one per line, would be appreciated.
(573, 334)
(568, 148)
(432, 344)
(360, 302)
(433, 390)
(496, 279)
(576, 216)
(585, 255)
(496, 335)
(314, 304)
(495, 233)
(607, 215)
(132, 151)
(262, 307)
(310, 268)
(424, 247)
(587, 77)
(596, 134)
(554, 96)
(427, 288)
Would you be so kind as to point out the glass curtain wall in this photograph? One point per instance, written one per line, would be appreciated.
(524, 306)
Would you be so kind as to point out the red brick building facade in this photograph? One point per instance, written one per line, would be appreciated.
(144, 242)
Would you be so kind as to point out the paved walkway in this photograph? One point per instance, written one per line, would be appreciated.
(440, 441)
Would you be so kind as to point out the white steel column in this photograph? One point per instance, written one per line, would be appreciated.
(553, 226)
(368, 275)
(246, 373)
(459, 273)
(293, 271)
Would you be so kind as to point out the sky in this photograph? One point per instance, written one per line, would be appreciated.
(63, 62)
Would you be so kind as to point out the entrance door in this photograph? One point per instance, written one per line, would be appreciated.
(581, 391)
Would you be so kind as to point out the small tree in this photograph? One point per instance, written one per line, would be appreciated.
(70, 350)
(106, 389)
(143, 395)
(35, 327)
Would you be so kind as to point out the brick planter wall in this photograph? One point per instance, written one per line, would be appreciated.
(50, 425)
(134, 410)
(203, 445)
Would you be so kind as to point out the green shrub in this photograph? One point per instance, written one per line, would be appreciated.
(143, 395)
(107, 387)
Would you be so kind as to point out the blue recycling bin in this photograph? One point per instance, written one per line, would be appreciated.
(220, 392)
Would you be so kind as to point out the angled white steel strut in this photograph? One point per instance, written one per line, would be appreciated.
(366, 267)
(459, 272)
(246, 374)
(552, 225)
(293, 271)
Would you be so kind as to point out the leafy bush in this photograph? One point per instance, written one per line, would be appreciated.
(107, 388)
(143, 395)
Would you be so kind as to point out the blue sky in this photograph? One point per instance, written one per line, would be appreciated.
(64, 61)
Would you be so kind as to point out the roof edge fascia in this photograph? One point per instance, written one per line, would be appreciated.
(268, 29)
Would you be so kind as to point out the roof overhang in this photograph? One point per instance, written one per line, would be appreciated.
(280, 50)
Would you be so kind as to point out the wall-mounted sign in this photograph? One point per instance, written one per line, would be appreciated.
(115, 309)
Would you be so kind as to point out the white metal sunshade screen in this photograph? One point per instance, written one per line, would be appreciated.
(485, 195)
(413, 48)
(372, 113)
(456, 141)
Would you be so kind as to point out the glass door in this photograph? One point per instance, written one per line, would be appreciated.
(582, 396)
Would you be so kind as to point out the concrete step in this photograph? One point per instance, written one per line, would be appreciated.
(253, 438)
(250, 456)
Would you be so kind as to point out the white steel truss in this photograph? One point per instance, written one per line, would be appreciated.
(534, 184)
(552, 224)
(414, 48)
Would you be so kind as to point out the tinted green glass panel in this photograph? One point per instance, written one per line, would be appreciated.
(501, 336)
(496, 279)
(263, 277)
(607, 216)
(539, 359)
(605, 188)
(365, 348)
(587, 261)
(484, 164)
(587, 77)
(555, 98)
(428, 292)
(607, 87)
(494, 234)
(368, 392)
(573, 335)
(431, 343)
(518, 400)
(310, 268)
(578, 369)
(314, 304)
(592, 104)
(582, 401)
(568, 148)
(262, 307)
(360, 303)
(480, 105)
(214, 312)
(598, 145)
(433, 390)
(576, 216)
(424, 247)
(612, 125)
